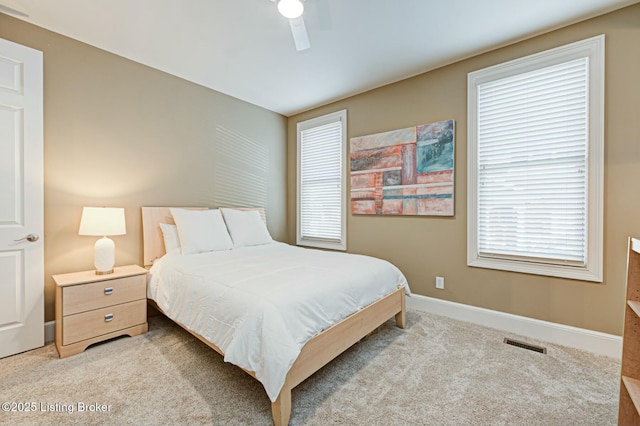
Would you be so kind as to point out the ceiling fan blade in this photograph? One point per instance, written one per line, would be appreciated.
(12, 11)
(324, 14)
(299, 33)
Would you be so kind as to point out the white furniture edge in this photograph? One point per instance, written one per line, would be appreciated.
(588, 340)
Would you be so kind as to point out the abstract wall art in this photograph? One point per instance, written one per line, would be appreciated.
(404, 172)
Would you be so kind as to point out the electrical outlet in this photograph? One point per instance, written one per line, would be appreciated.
(440, 283)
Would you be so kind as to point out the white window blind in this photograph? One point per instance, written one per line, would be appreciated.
(321, 217)
(536, 161)
(532, 164)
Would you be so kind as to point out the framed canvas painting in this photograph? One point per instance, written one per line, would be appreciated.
(404, 172)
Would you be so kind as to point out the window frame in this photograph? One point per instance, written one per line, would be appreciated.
(592, 48)
(300, 127)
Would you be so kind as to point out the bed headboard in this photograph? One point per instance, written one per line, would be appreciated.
(152, 217)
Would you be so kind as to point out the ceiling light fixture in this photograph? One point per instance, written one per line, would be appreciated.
(290, 8)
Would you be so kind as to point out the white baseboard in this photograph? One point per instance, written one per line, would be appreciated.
(580, 338)
(49, 332)
(560, 334)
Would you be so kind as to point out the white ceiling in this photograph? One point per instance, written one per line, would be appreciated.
(244, 48)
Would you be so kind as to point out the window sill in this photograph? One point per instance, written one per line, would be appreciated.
(322, 244)
(571, 272)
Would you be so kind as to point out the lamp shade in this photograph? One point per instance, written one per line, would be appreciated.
(102, 221)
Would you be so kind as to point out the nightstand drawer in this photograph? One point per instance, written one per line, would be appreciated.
(86, 297)
(102, 321)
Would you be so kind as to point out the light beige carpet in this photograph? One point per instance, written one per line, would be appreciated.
(438, 371)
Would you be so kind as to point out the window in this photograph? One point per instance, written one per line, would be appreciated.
(535, 177)
(321, 218)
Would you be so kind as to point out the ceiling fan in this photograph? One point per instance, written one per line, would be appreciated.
(293, 10)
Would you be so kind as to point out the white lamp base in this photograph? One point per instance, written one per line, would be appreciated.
(104, 256)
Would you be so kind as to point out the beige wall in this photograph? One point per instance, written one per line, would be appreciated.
(118, 133)
(423, 247)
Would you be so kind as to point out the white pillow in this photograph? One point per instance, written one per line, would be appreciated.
(170, 236)
(201, 230)
(246, 227)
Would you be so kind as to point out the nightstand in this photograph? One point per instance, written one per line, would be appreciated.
(91, 308)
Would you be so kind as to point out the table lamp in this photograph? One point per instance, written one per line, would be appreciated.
(103, 222)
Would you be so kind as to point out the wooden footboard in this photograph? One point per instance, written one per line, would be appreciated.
(330, 343)
(327, 345)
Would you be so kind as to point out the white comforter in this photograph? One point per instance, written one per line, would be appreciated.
(261, 304)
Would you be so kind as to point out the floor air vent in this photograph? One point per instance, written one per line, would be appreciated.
(524, 345)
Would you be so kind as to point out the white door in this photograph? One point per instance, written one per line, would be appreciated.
(21, 200)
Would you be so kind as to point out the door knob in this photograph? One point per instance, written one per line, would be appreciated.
(31, 238)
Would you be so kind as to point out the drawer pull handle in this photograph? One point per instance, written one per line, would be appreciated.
(108, 291)
(108, 317)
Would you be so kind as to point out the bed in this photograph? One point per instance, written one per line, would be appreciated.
(284, 331)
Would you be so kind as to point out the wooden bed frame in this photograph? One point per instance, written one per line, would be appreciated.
(318, 351)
